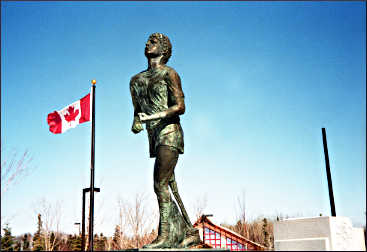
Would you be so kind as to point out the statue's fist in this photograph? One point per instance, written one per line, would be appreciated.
(137, 126)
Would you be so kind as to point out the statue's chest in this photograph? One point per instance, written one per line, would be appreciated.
(153, 91)
(157, 88)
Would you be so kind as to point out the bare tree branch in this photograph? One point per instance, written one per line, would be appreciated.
(241, 225)
(199, 206)
(13, 168)
(136, 222)
(51, 217)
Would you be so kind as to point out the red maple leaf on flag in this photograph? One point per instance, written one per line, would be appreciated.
(71, 114)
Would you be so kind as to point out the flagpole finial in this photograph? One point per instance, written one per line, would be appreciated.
(94, 82)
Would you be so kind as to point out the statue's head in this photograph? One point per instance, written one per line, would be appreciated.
(158, 44)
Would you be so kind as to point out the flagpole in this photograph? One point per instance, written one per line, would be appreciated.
(91, 193)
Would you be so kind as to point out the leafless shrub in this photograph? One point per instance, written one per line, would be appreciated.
(241, 225)
(51, 217)
(259, 230)
(199, 206)
(136, 223)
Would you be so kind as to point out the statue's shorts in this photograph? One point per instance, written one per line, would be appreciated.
(167, 135)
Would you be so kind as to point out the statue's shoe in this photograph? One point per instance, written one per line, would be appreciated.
(160, 242)
(191, 239)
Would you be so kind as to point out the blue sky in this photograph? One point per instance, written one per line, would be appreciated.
(260, 80)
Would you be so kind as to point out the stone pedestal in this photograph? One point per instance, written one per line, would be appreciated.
(186, 250)
(318, 233)
(178, 249)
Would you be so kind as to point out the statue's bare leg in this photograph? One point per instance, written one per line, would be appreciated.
(164, 166)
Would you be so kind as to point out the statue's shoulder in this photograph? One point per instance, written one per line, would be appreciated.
(170, 72)
(137, 77)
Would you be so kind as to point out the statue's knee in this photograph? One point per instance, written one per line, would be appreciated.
(162, 192)
(157, 187)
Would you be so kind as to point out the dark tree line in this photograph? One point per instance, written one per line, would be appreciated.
(36, 242)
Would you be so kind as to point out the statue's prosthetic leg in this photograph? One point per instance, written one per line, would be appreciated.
(192, 235)
(174, 189)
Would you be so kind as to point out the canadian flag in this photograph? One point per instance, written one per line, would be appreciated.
(70, 116)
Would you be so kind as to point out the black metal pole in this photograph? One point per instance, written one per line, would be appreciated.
(83, 219)
(328, 173)
(85, 190)
(91, 208)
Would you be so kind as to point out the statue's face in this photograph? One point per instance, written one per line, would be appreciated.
(153, 47)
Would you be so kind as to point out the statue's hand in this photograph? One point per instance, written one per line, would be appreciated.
(144, 117)
(137, 126)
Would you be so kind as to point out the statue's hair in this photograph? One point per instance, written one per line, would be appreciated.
(166, 46)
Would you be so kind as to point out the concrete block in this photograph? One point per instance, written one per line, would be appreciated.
(312, 244)
(318, 233)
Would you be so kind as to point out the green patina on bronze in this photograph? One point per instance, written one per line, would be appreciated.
(153, 91)
(158, 101)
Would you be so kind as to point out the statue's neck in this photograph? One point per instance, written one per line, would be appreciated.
(155, 63)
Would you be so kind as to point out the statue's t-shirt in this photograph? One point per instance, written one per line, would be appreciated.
(153, 91)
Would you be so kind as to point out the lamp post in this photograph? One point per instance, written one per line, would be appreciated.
(78, 223)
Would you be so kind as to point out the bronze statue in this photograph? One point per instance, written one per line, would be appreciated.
(158, 101)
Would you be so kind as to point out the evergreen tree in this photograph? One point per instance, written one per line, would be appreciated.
(69, 242)
(38, 244)
(18, 246)
(116, 238)
(95, 242)
(7, 241)
(25, 242)
(76, 244)
(52, 240)
(99, 242)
